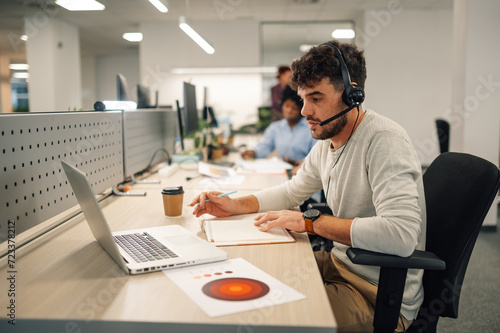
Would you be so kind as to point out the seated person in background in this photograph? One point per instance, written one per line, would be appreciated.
(372, 178)
(290, 136)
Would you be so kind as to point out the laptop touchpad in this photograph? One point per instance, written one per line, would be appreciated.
(183, 240)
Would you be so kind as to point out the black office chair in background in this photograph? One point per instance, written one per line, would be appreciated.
(443, 132)
(459, 190)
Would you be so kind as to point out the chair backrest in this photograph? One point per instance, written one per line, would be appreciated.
(443, 132)
(459, 190)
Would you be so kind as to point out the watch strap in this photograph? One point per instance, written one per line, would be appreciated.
(309, 226)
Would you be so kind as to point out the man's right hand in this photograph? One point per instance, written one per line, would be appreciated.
(248, 154)
(223, 206)
(217, 206)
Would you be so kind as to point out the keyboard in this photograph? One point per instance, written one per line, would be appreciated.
(143, 247)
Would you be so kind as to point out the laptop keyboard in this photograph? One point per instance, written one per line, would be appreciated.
(144, 247)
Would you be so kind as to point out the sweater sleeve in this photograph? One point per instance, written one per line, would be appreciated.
(295, 191)
(393, 171)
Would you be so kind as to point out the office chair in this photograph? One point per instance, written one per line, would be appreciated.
(443, 132)
(459, 190)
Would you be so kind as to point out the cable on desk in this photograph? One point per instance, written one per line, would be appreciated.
(152, 159)
(146, 169)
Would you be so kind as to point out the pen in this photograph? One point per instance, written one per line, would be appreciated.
(221, 195)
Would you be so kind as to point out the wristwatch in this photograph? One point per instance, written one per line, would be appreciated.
(310, 216)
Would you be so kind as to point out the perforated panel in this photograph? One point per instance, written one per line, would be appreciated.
(145, 132)
(33, 186)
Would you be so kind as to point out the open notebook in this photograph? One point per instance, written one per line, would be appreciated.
(222, 232)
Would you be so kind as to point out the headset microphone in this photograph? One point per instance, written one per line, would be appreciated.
(353, 95)
(338, 115)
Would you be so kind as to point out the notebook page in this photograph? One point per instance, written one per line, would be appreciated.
(240, 231)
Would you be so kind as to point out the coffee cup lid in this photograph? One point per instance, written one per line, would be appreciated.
(172, 190)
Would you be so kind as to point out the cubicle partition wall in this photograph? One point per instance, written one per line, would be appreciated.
(146, 133)
(109, 146)
(33, 186)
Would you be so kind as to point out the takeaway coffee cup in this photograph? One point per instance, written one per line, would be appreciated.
(172, 200)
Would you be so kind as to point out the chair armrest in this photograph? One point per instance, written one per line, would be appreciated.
(418, 259)
(321, 206)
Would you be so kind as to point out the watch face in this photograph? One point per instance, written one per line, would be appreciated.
(311, 213)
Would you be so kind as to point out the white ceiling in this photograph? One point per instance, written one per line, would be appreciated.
(100, 32)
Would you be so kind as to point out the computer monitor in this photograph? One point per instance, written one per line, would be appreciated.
(143, 97)
(190, 110)
(122, 88)
(179, 119)
(208, 111)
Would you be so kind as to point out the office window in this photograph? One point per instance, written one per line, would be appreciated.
(19, 94)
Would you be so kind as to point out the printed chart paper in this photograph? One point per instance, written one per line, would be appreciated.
(231, 286)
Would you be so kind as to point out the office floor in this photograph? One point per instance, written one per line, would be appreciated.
(479, 308)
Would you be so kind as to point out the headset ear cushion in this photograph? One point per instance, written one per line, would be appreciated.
(353, 95)
(357, 95)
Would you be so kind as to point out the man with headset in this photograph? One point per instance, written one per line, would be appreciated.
(372, 179)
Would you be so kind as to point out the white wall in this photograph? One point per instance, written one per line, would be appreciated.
(108, 66)
(89, 81)
(53, 53)
(481, 102)
(408, 55)
(479, 99)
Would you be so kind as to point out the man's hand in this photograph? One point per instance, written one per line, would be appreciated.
(223, 206)
(248, 154)
(285, 218)
(296, 165)
(292, 162)
(217, 206)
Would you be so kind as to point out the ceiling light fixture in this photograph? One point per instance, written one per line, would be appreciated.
(343, 33)
(195, 36)
(80, 5)
(132, 36)
(24, 37)
(159, 5)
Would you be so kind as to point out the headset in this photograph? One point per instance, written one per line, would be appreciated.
(353, 95)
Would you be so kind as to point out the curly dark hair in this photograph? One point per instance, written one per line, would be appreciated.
(290, 94)
(321, 62)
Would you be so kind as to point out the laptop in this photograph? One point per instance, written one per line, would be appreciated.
(143, 250)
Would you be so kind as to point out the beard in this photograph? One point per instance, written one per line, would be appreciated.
(329, 130)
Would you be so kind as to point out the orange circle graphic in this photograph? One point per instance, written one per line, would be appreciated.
(235, 289)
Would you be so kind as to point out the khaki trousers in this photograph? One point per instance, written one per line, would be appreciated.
(351, 296)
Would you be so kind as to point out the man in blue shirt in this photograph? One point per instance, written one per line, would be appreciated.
(290, 136)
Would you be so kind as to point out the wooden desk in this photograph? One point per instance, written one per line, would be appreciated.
(65, 282)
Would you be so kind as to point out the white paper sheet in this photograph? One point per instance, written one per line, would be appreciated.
(231, 286)
(271, 165)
